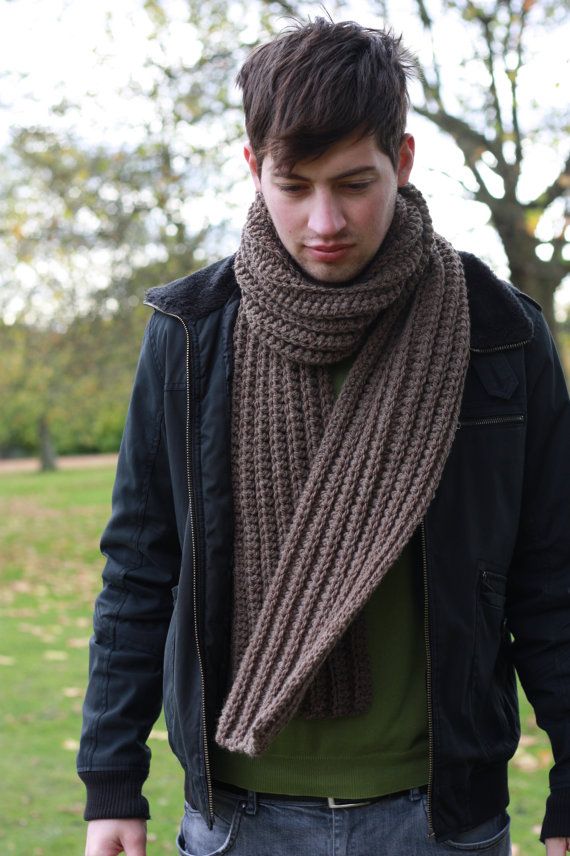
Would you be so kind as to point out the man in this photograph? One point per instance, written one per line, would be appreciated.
(340, 509)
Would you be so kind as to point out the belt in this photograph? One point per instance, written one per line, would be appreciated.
(331, 802)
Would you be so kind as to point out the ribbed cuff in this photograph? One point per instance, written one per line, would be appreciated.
(557, 818)
(114, 794)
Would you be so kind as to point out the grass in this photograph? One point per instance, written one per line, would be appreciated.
(50, 573)
(49, 533)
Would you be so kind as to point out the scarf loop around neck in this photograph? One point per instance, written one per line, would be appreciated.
(327, 493)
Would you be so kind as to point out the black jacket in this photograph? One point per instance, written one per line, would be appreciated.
(494, 552)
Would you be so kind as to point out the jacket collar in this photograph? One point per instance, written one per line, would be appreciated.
(196, 295)
(499, 317)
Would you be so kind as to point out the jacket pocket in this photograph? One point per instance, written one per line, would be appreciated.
(492, 588)
(485, 421)
(493, 686)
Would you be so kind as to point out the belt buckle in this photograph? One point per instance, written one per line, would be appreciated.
(332, 803)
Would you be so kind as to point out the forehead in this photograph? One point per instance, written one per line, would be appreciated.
(350, 155)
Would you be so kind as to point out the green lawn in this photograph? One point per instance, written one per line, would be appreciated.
(49, 575)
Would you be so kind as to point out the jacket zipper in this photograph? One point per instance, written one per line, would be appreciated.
(491, 420)
(500, 348)
(428, 681)
(194, 563)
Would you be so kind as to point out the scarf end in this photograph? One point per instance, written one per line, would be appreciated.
(251, 743)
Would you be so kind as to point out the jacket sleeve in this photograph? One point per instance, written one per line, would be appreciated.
(133, 610)
(539, 584)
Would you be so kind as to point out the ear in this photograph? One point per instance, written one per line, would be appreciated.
(405, 159)
(253, 166)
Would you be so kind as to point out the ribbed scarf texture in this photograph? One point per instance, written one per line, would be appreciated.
(327, 493)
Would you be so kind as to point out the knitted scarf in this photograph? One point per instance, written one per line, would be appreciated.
(327, 493)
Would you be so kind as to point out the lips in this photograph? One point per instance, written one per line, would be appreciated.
(328, 252)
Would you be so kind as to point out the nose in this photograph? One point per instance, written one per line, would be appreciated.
(326, 218)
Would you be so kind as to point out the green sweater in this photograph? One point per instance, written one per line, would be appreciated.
(378, 752)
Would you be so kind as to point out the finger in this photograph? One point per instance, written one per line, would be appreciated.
(134, 843)
(556, 846)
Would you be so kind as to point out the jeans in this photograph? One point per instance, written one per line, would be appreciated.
(392, 826)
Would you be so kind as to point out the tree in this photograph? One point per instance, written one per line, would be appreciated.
(480, 106)
(67, 390)
(89, 225)
(85, 231)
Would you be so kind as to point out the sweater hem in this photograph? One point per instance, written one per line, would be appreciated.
(324, 777)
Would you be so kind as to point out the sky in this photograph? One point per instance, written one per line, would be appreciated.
(65, 49)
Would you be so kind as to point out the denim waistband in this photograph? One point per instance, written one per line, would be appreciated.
(234, 791)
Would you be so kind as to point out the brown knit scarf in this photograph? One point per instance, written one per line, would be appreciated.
(328, 493)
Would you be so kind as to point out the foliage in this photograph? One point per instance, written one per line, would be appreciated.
(88, 225)
(77, 381)
(83, 226)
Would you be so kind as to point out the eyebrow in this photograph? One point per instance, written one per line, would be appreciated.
(348, 174)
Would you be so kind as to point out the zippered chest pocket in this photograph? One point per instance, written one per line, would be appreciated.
(490, 421)
(493, 394)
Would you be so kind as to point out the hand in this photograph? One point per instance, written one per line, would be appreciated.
(110, 837)
(557, 846)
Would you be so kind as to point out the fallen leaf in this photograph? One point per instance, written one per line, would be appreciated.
(6, 661)
(55, 655)
(158, 735)
(71, 745)
(81, 642)
(73, 692)
(545, 758)
(74, 809)
(525, 761)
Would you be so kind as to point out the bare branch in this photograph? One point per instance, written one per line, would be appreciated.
(469, 190)
(287, 8)
(489, 60)
(559, 243)
(429, 89)
(482, 194)
(513, 80)
(466, 137)
(558, 188)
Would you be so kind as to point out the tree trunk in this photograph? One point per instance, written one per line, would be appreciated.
(48, 455)
(536, 278)
(542, 290)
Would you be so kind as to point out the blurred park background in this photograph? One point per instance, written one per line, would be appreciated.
(121, 168)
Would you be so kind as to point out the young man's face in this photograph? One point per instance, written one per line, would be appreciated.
(332, 213)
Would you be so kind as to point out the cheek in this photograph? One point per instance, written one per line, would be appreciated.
(286, 221)
(381, 211)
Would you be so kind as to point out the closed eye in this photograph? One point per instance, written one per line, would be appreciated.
(356, 186)
(292, 188)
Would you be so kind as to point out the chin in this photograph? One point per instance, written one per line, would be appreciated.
(333, 274)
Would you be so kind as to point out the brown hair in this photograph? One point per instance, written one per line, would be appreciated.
(318, 82)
